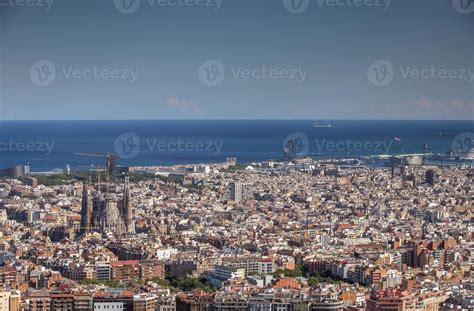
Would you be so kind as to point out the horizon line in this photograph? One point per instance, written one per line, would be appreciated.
(225, 119)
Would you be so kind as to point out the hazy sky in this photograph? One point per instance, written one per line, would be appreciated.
(237, 59)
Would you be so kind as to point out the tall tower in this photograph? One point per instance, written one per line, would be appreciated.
(236, 191)
(127, 210)
(86, 210)
(425, 148)
(431, 177)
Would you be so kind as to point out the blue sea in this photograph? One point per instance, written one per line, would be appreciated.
(46, 145)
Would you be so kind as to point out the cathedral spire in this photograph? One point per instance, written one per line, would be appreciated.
(86, 210)
(127, 208)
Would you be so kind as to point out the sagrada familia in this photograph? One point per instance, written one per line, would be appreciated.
(105, 213)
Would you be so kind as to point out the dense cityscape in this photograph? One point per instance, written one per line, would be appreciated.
(301, 234)
(236, 155)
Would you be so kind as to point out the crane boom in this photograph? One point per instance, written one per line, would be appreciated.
(90, 154)
(109, 165)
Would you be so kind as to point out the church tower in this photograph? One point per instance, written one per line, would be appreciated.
(127, 210)
(86, 210)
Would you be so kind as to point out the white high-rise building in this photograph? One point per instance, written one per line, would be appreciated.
(236, 191)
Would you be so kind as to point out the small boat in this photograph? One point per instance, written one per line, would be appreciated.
(397, 138)
(318, 124)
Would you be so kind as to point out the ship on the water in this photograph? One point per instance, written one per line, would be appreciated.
(319, 124)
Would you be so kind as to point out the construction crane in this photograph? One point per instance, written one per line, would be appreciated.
(110, 165)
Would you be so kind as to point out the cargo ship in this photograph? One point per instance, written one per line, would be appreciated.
(319, 124)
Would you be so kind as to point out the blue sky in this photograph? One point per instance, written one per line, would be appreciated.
(270, 62)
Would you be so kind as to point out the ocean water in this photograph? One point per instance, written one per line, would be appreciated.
(46, 145)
